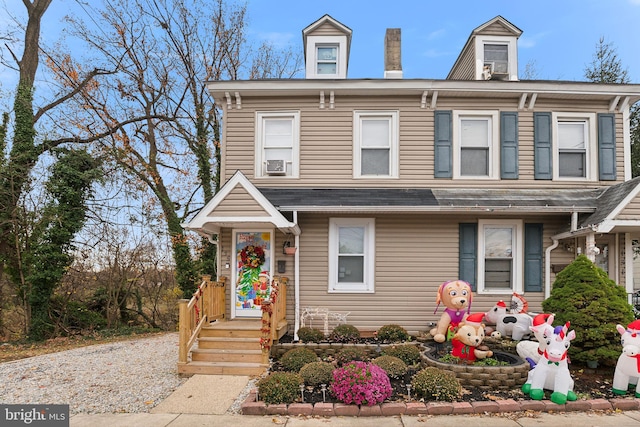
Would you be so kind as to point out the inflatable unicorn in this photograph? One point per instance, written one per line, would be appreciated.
(553, 367)
(627, 370)
(532, 351)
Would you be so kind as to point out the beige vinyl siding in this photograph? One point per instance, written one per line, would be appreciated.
(326, 29)
(466, 67)
(496, 29)
(631, 211)
(326, 138)
(238, 203)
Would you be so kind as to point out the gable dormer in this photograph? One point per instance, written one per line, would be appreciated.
(326, 49)
(491, 53)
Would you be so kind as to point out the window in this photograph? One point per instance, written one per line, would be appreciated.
(327, 59)
(375, 147)
(476, 144)
(351, 255)
(574, 142)
(497, 58)
(498, 55)
(500, 256)
(277, 144)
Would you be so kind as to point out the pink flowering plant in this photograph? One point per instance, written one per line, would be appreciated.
(361, 383)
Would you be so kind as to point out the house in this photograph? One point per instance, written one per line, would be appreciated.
(388, 186)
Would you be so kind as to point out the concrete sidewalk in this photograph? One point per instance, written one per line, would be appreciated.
(204, 400)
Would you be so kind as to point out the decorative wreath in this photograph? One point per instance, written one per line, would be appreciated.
(252, 256)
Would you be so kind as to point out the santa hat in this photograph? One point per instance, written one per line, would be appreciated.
(635, 325)
(501, 304)
(541, 318)
(264, 274)
(475, 318)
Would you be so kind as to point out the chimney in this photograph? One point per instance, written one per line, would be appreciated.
(392, 57)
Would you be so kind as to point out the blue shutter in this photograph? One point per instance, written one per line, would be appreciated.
(533, 257)
(543, 168)
(508, 145)
(443, 145)
(468, 258)
(607, 146)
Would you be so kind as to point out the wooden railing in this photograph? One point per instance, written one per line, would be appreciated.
(206, 305)
(274, 311)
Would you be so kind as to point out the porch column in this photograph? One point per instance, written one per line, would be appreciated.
(590, 247)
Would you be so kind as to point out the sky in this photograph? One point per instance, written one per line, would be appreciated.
(559, 36)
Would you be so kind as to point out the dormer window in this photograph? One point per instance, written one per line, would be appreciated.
(327, 59)
(496, 57)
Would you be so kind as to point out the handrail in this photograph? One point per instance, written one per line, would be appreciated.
(274, 311)
(206, 304)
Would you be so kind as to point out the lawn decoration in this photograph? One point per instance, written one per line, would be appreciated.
(531, 351)
(456, 296)
(627, 370)
(467, 339)
(552, 370)
(514, 325)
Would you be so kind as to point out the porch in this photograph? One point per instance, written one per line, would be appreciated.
(212, 344)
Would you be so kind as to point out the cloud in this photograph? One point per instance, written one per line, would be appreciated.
(634, 2)
(278, 40)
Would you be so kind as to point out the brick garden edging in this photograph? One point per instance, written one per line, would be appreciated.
(251, 407)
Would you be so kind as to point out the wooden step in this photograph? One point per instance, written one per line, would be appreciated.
(226, 355)
(229, 343)
(233, 329)
(222, 368)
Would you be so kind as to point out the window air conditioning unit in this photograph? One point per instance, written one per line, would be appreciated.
(276, 167)
(493, 71)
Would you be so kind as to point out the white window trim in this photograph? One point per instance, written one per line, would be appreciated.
(591, 162)
(311, 66)
(368, 285)
(518, 256)
(394, 144)
(259, 148)
(494, 145)
(512, 51)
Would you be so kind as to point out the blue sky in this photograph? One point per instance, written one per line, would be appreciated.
(560, 35)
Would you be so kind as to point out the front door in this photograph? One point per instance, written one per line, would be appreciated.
(252, 272)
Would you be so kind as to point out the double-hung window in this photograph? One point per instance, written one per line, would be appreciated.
(496, 57)
(277, 146)
(375, 146)
(476, 142)
(327, 59)
(500, 245)
(574, 144)
(351, 254)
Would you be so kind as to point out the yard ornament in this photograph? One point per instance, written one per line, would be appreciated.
(456, 296)
(514, 325)
(467, 339)
(531, 351)
(627, 370)
(552, 370)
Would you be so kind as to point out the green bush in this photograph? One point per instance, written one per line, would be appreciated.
(393, 333)
(345, 334)
(584, 295)
(408, 353)
(307, 334)
(294, 359)
(279, 387)
(351, 354)
(76, 316)
(393, 366)
(436, 384)
(316, 373)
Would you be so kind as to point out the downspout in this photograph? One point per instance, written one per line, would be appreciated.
(296, 276)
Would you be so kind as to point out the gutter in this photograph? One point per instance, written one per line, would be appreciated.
(547, 252)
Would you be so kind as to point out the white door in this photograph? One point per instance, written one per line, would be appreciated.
(252, 272)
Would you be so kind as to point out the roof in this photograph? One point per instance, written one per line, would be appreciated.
(611, 200)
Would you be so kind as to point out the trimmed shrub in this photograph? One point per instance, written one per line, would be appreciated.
(361, 383)
(316, 373)
(351, 354)
(436, 384)
(307, 334)
(294, 359)
(408, 353)
(345, 334)
(393, 333)
(280, 387)
(584, 295)
(393, 366)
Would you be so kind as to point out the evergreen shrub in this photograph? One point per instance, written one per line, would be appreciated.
(392, 333)
(293, 360)
(279, 387)
(436, 384)
(345, 333)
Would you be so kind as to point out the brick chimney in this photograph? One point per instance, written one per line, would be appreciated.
(392, 54)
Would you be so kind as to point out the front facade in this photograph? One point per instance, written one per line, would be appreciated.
(389, 187)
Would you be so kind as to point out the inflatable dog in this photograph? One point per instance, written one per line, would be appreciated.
(456, 296)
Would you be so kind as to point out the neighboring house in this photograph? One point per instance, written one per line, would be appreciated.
(388, 187)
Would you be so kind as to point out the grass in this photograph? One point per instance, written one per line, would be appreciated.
(16, 350)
